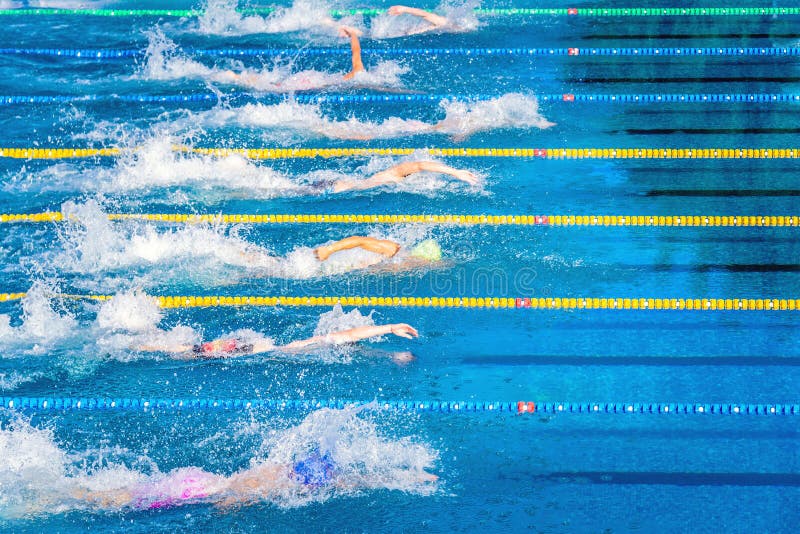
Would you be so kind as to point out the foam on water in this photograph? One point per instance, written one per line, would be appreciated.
(221, 18)
(39, 477)
(93, 244)
(155, 165)
(364, 458)
(130, 320)
(291, 121)
(11, 381)
(164, 61)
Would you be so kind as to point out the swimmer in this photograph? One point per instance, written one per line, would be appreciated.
(386, 253)
(233, 347)
(353, 253)
(297, 82)
(309, 473)
(396, 175)
(434, 21)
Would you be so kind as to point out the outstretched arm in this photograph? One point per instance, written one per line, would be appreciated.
(379, 246)
(437, 20)
(355, 334)
(400, 172)
(355, 50)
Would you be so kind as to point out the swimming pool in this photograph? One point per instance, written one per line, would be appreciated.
(650, 470)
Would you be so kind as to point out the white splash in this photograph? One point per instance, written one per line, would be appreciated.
(42, 325)
(164, 61)
(364, 459)
(92, 244)
(38, 477)
(221, 18)
(337, 320)
(513, 110)
(290, 120)
(156, 163)
(130, 320)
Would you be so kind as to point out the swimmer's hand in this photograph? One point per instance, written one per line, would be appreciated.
(403, 330)
(397, 10)
(349, 31)
(468, 177)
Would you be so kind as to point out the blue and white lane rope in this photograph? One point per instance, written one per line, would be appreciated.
(522, 407)
(105, 53)
(665, 98)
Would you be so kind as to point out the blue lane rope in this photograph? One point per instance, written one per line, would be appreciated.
(435, 98)
(94, 53)
(218, 404)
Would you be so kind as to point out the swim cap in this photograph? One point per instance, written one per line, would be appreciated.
(315, 470)
(427, 250)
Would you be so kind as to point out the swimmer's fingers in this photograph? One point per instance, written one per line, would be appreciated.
(396, 10)
(404, 330)
(468, 177)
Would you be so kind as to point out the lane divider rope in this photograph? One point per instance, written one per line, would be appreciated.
(449, 219)
(746, 98)
(540, 153)
(105, 53)
(500, 407)
(570, 11)
(494, 303)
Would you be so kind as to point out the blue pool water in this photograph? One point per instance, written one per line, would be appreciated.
(497, 472)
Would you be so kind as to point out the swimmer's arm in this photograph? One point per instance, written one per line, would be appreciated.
(380, 246)
(355, 51)
(437, 20)
(400, 172)
(355, 334)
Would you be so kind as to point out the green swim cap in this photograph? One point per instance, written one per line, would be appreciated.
(427, 250)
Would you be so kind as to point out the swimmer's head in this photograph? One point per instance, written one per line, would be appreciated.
(315, 471)
(428, 250)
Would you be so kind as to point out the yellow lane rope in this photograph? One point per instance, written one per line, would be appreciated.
(455, 219)
(563, 303)
(542, 153)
